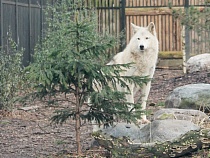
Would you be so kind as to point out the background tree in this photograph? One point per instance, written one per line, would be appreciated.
(196, 23)
(72, 60)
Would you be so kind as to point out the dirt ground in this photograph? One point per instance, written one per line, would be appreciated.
(29, 134)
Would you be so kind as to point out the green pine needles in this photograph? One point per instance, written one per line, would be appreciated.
(72, 60)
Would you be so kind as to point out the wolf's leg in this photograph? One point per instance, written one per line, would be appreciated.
(145, 94)
(130, 97)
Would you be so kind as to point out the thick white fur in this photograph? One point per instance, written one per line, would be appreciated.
(142, 50)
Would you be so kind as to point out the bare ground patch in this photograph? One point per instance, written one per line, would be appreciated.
(29, 134)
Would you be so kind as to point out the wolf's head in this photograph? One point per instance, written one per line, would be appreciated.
(143, 38)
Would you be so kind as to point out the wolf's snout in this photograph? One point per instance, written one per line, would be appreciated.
(141, 47)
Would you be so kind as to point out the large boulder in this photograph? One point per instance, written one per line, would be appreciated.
(157, 131)
(160, 138)
(198, 63)
(172, 133)
(195, 116)
(192, 96)
(165, 130)
(124, 130)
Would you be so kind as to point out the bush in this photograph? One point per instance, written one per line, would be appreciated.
(11, 70)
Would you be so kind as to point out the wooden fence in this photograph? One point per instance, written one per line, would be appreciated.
(25, 18)
(169, 29)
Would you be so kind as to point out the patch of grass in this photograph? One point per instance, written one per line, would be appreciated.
(160, 104)
(4, 122)
(59, 142)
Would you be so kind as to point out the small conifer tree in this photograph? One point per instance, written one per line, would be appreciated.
(72, 60)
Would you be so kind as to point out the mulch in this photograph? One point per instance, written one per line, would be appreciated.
(29, 134)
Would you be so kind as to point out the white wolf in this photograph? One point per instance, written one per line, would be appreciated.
(142, 50)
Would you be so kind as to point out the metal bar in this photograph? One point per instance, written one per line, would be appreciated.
(16, 24)
(30, 35)
(1, 23)
(41, 20)
(187, 33)
(123, 21)
(109, 15)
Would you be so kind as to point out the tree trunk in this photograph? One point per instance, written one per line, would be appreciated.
(78, 123)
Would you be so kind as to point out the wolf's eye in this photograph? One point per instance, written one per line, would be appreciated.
(147, 37)
(138, 38)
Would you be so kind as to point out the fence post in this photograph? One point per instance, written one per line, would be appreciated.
(122, 23)
(187, 33)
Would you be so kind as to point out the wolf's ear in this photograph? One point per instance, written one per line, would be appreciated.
(151, 28)
(134, 28)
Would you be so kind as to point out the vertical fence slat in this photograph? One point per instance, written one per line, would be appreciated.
(16, 23)
(123, 22)
(158, 28)
(41, 20)
(1, 23)
(30, 32)
(187, 34)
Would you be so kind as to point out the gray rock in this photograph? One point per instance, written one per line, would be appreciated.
(157, 131)
(192, 96)
(198, 63)
(165, 130)
(124, 129)
(195, 116)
